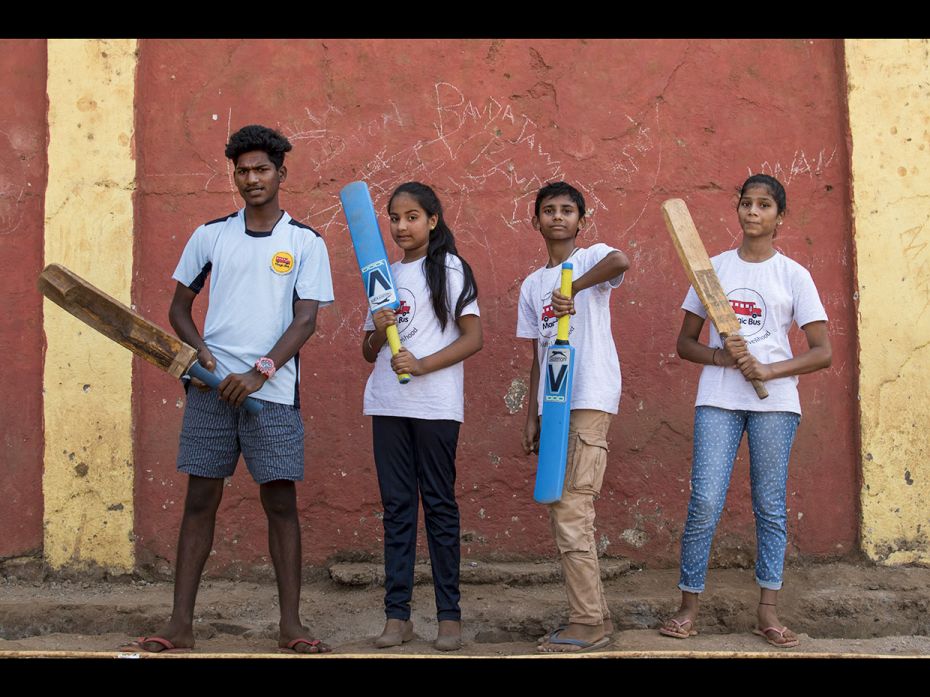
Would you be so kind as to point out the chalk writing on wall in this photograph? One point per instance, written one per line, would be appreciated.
(800, 165)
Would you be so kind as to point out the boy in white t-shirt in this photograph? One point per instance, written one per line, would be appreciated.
(559, 215)
(269, 274)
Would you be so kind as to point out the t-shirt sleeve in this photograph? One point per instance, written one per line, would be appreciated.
(369, 322)
(455, 283)
(693, 304)
(314, 280)
(195, 262)
(527, 323)
(596, 254)
(807, 306)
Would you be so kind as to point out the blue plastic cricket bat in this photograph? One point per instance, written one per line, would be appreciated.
(371, 256)
(556, 411)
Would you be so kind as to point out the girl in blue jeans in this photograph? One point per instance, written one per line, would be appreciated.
(768, 293)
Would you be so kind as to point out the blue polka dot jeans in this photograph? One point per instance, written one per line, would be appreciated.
(717, 434)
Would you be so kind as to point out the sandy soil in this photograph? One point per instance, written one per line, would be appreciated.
(836, 608)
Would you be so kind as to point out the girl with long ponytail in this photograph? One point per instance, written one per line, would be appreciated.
(415, 426)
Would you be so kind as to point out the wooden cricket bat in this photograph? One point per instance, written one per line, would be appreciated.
(115, 321)
(701, 273)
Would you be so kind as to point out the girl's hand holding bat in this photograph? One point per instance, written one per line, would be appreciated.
(753, 369)
(736, 353)
(406, 362)
(734, 348)
(383, 319)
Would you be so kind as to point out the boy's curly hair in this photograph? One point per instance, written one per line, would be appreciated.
(255, 137)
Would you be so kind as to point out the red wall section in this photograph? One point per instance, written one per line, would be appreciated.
(487, 122)
(23, 172)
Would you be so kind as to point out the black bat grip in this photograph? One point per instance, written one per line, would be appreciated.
(251, 405)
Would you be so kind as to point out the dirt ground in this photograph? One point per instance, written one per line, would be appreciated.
(837, 609)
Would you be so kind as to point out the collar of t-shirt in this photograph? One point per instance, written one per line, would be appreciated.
(267, 233)
(556, 266)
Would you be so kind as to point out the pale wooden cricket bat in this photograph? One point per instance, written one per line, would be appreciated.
(701, 273)
(114, 320)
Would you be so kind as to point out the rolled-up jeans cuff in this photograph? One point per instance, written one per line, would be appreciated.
(688, 589)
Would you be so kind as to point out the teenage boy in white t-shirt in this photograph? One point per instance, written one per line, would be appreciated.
(559, 215)
(269, 275)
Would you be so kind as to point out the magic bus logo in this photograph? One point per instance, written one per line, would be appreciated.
(548, 318)
(406, 310)
(282, 262)
(548, 324)
(749, 307)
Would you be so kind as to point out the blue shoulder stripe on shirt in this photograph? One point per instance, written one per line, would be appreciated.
(296, 223)
(224, 218)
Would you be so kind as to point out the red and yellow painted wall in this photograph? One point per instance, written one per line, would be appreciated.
(119, 144)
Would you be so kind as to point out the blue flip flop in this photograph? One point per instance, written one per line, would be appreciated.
(582, 645)
(545, 637)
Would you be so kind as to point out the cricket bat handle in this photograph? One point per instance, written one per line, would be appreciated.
(757, 385)
(566, 290)
(394, 342)
(760, 389)
(251, 405)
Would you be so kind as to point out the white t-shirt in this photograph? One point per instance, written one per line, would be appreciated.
(255, 279)
(596, 381)
(767, 297)
(436, 395)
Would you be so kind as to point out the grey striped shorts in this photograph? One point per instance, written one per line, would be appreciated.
(214, 433)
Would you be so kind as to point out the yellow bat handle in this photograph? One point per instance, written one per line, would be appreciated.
(394, 341)
(566, 290)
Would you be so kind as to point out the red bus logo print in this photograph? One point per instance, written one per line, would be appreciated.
(743, 307)
(749, 307)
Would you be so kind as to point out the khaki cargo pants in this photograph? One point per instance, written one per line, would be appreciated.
(572, 518)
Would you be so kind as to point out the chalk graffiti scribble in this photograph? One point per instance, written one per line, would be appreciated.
(477, 149)
(800, 165)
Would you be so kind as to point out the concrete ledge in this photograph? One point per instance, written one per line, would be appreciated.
(473, 572)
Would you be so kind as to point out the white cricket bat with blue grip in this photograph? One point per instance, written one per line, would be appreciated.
(371, 256)
(557, 405)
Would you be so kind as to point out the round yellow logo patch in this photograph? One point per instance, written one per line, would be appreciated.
(282, 262)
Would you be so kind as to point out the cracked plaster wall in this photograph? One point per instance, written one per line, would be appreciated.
(487, 122)
(889, 117)
(88, 477)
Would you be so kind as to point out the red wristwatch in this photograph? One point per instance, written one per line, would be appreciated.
(265, 366)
